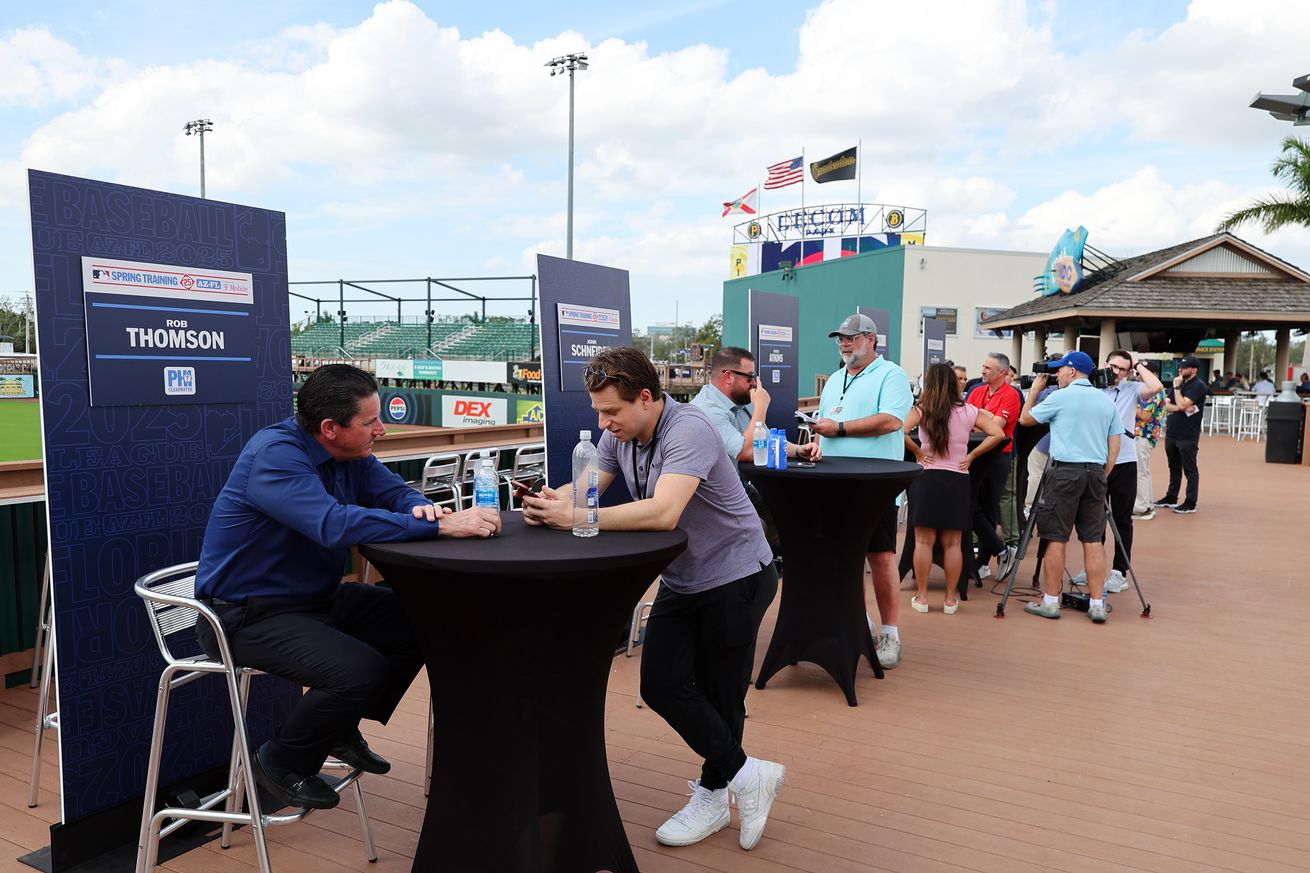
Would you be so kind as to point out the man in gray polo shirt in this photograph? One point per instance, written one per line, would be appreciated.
(701, 632)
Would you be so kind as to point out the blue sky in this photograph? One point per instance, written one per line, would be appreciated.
(412, 139)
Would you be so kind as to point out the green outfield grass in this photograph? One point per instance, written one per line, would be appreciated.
(20, 430)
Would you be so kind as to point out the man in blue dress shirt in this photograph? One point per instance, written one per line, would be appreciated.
(302, 493)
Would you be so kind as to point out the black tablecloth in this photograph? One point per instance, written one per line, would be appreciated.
(977, 475)
(518, 634)
(826, 514)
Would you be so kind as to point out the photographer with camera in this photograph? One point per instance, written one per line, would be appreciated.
(1182, 435)
(1085, 434)
(1122, 482)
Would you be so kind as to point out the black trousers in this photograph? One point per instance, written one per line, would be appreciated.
(696, 666)
(1182, 462)
(355, 652)
(1121, 487)
(987, 514)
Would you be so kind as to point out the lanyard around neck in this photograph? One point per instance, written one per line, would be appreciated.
(636, 470)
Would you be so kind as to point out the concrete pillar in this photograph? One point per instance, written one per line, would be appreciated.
(1231, 339)
(1109, 339)
(1071, 336)
(1039, 344)
(1016, 351)
(1282, 349)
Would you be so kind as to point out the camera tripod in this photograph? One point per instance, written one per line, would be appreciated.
(1030, 524)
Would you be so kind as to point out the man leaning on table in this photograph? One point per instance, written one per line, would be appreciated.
(861, 411)
(700, 636)
(302, 493)
(1085, 433)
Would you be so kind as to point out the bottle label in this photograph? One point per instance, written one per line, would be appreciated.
(593, 503)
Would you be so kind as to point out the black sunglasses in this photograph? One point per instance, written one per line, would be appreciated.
(595, 375)
(750, 377)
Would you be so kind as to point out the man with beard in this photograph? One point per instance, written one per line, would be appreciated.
(735, 402)
(861, 412)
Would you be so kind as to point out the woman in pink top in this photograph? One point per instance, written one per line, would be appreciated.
(939, 499)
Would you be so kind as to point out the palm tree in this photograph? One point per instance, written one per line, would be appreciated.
(1291, 207)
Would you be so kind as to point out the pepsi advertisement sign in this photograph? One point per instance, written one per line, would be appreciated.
(161, 334)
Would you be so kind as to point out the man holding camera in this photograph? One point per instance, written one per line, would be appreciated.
(1182, 435)
(1003, 400)
(1086, 431)
(1121, 484)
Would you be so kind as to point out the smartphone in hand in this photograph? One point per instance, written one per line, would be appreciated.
(530, 486)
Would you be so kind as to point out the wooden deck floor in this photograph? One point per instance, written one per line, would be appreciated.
(1011, 746)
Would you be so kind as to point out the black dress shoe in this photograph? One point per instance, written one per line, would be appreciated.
(352, 751)
(292, 789)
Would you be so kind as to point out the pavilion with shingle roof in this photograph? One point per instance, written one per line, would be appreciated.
(1170, 300)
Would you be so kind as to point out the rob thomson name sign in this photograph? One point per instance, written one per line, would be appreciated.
(158, 333)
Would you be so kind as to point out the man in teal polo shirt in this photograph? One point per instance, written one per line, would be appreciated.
(1085, 433)
(861, 412)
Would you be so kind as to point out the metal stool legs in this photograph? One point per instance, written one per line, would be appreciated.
(42, 626)
(432, 736)
(45, 719)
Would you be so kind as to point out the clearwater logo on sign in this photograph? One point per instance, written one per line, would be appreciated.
(179, 380)
(397, 408)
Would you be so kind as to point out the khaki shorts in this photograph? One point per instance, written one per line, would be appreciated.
(1073, 497)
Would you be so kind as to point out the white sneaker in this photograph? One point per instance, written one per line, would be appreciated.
(888, 650)
(984, 572)
(756, 798)
(1115, 582)
(1081, 578)
(705, 814)
(1005, 561)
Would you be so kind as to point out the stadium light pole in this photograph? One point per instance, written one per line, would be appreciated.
(199, 127)
(570, 63)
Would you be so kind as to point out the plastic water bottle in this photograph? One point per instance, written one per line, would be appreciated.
(780, 440)
(586, 487)
(760, 444)
(486, 486)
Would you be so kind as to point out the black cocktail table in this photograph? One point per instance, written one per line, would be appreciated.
(825, 515)
(518, 634)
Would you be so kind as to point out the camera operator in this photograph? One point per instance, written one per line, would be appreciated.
(1085, 434)
(1122, 481)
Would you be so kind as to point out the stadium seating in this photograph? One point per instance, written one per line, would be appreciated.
(498, 341)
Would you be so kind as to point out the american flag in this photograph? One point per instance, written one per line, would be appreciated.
(785, 173)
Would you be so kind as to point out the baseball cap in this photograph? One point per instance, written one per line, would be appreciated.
(855, 324)
(1080, 361)
(1190, 361)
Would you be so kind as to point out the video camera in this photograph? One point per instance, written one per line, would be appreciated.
(1101, 378)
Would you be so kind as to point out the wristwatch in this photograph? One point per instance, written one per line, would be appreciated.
(841, 428)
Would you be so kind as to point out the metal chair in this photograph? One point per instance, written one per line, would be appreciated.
(528, 462)
(46, 719)
(1223, 418)
(169, 597)
(1251, 417)
(441, 474)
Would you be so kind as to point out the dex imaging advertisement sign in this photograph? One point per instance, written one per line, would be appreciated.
(459, 411)
(161, 333)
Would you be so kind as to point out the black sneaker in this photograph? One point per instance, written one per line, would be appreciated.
(292, 789)
(352, 751)
(1185, 508)
(1165, 501)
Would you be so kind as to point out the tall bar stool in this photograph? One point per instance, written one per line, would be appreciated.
(1224, 417)
(46, 718)
(169, 596)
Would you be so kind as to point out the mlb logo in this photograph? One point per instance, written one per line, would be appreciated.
(179, 380)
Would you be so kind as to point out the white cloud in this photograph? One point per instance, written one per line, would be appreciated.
(37, 69)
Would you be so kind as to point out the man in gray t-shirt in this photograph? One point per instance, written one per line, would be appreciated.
(700, 638)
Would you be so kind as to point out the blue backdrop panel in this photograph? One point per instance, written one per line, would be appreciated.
(584, 285)
(777, 352)
(882, 320)
(129, 488)
(934, 342)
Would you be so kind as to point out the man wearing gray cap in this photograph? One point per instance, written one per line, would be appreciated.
(861, 412)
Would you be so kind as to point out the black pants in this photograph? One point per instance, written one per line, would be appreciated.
(1182, 462)
(1121, 487)
(987, 514)
(696, 666)
(356, 653)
